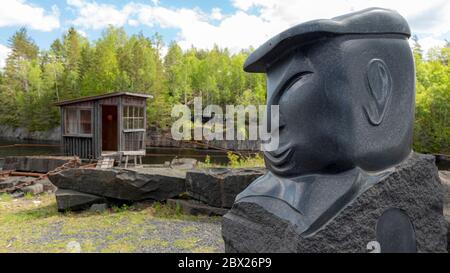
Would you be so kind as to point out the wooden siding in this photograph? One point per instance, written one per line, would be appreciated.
(79, 146)
(109, 101)
(133, 101)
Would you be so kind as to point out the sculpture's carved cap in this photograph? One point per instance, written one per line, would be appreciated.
(367, 21)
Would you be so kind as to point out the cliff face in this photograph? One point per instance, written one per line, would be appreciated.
(22, 133)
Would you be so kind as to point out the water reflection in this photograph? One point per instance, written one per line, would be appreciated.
(155, 155)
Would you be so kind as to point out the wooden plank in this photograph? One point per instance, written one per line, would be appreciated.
(133, 153)
(26, 174)
(144, 146)
(100, 128)
(95, 146)
(62, 125)
(105, 163)
(120, 124)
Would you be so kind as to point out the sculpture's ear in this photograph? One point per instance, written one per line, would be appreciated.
(380, 89)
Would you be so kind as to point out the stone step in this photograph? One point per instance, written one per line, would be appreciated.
(105, 163)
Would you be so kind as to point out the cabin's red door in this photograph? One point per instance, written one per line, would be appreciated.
(109, 128)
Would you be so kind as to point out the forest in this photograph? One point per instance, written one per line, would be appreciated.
(33, 79)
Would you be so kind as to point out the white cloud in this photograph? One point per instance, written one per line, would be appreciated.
(92, 15)
(4, 51)
(430, 19)
(163, 51)
(432, 16)
(170, 18)
(82, 33)
(22, 13)
(253, 21)
(235, 32)
(133, 22)
(430, 42)
(216, 14)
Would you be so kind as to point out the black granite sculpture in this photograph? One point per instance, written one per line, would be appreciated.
(345, 89)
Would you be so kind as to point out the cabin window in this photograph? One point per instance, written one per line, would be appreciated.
(134, 141)
(85, 122)
(78, 121)
(71, 121)
(133, 118)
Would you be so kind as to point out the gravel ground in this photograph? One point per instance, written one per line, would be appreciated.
(154, 236)
(34, 225)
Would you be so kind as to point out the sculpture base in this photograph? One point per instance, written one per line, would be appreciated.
(414, 188)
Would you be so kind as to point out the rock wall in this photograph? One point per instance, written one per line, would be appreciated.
(22, 133)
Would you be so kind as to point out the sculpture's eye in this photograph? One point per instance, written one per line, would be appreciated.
(296, 79)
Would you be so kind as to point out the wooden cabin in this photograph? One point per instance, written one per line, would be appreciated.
(105, 124)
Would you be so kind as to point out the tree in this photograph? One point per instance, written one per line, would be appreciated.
(177, 75)
(16, 84)
(102, 74)
(70, 51)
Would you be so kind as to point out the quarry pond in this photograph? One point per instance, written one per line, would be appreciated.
(154, 155)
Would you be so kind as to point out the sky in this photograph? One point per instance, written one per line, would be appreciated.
(234, 24)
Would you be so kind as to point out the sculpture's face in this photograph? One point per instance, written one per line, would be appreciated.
(336, 106)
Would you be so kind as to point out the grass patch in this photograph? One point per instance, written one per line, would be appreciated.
(28, 196)
(188, 229)
(155, 243)
(4, 197)
(35, 225)
(235, 161)
(165, 211)
(186, 244)
(204, 249)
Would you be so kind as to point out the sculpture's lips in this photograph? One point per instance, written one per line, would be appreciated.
(280, 156)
